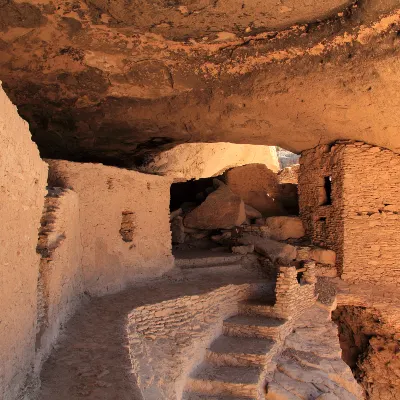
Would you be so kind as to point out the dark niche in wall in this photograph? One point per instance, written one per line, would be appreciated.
(127, 226)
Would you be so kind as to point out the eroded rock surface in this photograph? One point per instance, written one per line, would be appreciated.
(221, 210)
(118, 81)
(310, 365)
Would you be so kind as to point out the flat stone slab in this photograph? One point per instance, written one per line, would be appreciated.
(249, 320)
(201, 259)
(237, 345)
(234, 375)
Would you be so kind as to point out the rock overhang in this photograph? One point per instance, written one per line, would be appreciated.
(102, 82)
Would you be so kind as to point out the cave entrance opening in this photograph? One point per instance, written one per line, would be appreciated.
(211, 214)
(185, 198)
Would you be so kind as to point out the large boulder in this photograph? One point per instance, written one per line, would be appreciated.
(258, 186)
(222, 209)
(283, 228)
(323, 256)
(251, 212)
(318, 254)
(270, 248)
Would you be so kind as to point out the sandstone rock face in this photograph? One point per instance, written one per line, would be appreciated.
(310, 366)
(272, 249)
(283, 228)
(369, 338)
(119, 81)
(251, 212)
(257, 186)
(289, 174)
(243, 249)
(221, 210)
(203, 160)
(323, 256)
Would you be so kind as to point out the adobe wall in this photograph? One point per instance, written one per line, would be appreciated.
(23, 178)
(124, 222)
(363, 222)
(60, 282)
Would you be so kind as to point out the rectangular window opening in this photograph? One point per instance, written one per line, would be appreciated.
(326, 197)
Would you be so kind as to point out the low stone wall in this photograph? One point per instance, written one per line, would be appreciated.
(124, 222)
(22, 189)
(60, 282)
(293, 297)
(169, 339)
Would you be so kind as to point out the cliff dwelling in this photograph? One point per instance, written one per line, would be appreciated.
(200, 200)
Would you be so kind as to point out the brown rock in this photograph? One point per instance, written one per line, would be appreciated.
(177, 229)
(323, 256)
(251, 212)
(243, 249)
(175, 214)
(257, 186)
(221, 210)
(270, 248)
(283, 228)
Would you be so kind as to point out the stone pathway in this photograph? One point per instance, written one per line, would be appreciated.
(96, 355)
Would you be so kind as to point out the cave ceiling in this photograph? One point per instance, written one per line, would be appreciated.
(117, 81)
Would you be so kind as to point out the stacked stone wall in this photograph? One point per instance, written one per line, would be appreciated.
(362, 223)
(169, 339)
(371, 215)
(292, 296)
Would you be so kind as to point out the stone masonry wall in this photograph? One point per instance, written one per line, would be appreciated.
(291, 296)
(363, 222)
(371, 215)
(22, 189)
(60, 283)
(323, 222)
(169, 339)
(124, 223)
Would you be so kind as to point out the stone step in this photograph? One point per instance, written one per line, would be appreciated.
(260, 307)
(197, 396)
(239, 351)
(217, 381)
(227, 270)
(256, 326)
(206, 259)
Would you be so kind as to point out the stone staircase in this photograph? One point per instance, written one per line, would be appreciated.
(237, 362)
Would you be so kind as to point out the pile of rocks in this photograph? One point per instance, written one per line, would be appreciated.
(245, 197)
(244, 214)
